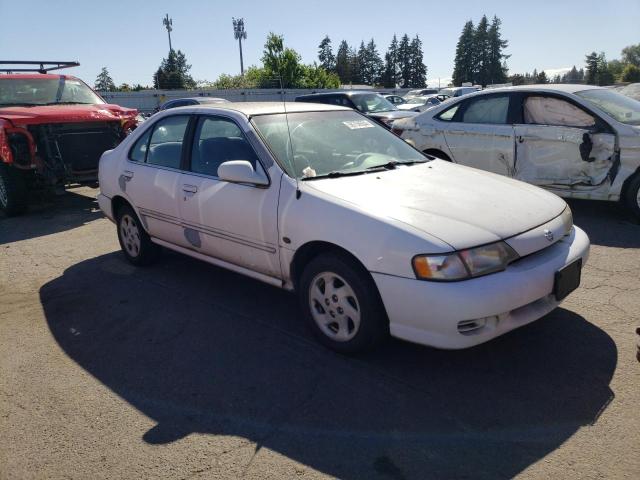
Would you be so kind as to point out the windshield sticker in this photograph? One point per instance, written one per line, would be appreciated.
(356, 124)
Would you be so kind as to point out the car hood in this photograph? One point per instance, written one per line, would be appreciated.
(462, 206)
(20, 116)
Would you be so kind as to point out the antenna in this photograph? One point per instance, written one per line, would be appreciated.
(286, 117)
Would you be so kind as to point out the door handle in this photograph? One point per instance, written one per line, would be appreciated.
(128, 175)
(189, 188)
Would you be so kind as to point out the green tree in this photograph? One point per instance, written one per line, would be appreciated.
(516, 79)
(631, 54)
(592, 64)
(481, 52)
(315, 76)
(343, 65)
(605, 77)
(404, 60)
(573, 76)
(541, 77)
(104, 82)
(418, 70)
(391, 76)
(354, 66)
(280, 62)
(495, 57)
(371, 65)
(631, 73)
(173, 73)
(463, 64)
(616, 67)
(325, 55)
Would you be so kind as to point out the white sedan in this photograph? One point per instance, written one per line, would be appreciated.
(578, 141)
(373, 236)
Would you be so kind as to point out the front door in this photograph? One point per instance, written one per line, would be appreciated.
(232, 222)
(559, 143)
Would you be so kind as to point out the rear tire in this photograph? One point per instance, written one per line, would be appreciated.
(341, 304)
(136, 244)
(632, 195)
(13, 191)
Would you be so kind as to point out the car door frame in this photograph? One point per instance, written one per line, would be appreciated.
(201, 236)
(152, 220)
(601, 126)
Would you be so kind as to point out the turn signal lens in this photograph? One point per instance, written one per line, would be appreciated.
(440, 267)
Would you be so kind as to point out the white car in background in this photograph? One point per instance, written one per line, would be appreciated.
(577, 141)
(373, 236)
(420, 104)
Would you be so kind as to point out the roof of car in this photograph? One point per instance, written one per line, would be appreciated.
(558, 87)
(342, 92)
(264, 108)
(38, 76)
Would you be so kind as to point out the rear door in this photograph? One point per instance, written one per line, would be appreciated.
(479, 134)
(151, 177)
(559, 142)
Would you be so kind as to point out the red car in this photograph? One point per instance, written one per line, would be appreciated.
(53, 130)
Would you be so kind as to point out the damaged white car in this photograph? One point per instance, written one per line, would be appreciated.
(577, 141)
(322, 200)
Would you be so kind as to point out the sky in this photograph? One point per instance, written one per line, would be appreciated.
(128, 37)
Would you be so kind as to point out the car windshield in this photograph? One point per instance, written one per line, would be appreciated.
(335, 142)
(45, 91)
(622, 108)
(372, 103)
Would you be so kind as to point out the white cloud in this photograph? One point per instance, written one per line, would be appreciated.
(552, 72)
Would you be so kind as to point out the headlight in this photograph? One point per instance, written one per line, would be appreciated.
(473, 262)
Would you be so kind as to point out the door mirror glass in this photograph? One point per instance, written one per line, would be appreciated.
(241, 171)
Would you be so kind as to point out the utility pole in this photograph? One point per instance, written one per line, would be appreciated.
(168, 23)
(239, 34)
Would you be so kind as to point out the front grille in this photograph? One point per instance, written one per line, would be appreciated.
(75, 147)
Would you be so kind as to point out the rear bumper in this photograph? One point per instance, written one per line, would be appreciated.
(105, 205)
(430, 313)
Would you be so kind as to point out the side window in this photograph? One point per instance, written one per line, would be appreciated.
(448, 114)
(487, 110)
(218, 140)
(165, 145)
(554, 111)
(138, 152)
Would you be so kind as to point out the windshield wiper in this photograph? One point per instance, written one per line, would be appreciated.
(335, 174)
(18, 104)
(67, 103)
(394, 163)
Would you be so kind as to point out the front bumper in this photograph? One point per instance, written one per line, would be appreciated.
(430, 313)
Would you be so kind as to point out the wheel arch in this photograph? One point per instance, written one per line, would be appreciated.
(435, 152)
(310, 250)
(117, 202)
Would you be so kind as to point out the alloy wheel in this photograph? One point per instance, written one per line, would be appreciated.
(334, 306)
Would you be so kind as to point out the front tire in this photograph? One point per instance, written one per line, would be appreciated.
(134, 240)
(341, 304)
(13, 191)
(632, 195)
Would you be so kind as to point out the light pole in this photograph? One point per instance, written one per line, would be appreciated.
(168, 23)
(239, 34)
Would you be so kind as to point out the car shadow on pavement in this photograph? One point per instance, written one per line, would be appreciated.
(51, 214)
(607, 223)
(200, 349)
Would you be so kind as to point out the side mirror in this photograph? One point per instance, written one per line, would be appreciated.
(241, 171)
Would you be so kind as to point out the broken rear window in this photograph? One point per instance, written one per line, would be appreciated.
(554, 111)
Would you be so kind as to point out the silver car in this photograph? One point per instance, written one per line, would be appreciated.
(578, 141)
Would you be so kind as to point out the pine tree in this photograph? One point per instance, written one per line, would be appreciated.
(343, 66)
(496, 70)
(173, 72)
(354, 62)
(418, 75)
(541, 77)
(605, 77)
(404, 61)
(371, 63)
(325, 55)
(591, 62)
(481, 52)
(463, 66)
(391, 75)
(104, 82)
